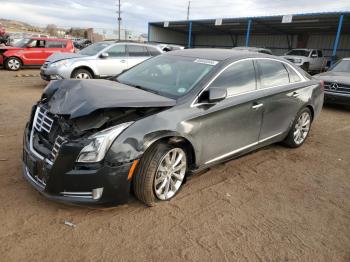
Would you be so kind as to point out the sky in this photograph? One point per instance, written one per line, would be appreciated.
(137, 13)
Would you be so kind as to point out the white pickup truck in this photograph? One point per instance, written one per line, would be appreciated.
(307, 59)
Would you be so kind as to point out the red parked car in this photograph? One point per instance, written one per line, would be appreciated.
(32, 52)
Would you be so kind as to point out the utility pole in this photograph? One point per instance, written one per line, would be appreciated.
(188, 10)
(119, 20)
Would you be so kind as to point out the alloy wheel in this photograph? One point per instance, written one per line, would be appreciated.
(170, 174)
(302, 128)
(82, 76)
(13, 64)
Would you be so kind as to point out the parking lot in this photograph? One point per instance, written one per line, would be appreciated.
(276, 204)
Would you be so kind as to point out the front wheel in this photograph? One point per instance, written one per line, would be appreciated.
(82, 74)
(300, 129)
(13, 64)
(161, 173)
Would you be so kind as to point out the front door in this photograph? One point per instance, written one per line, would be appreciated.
(115, 63)
(34, 53)
(137, 54)
(232, 125)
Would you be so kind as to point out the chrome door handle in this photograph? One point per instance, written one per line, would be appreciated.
(295, 94)
(256, 106)
(122, 61)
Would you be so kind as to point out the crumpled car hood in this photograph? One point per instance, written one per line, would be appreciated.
(339, 77)
(78, 98)
(55, 57)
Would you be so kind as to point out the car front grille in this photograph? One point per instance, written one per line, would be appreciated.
(45, 139)
(337, 87)
(43, 121)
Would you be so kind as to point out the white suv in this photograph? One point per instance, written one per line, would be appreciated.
(99, 60)
(307, 59)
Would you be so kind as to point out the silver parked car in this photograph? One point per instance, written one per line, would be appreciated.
(99, 60)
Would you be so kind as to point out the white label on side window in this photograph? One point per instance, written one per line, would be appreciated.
(205, 61)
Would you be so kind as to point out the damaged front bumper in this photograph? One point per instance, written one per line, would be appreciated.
(64, 180)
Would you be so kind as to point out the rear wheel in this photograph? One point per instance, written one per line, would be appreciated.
(300, 129)
(82, 74)
(161, 173)
(13, 64)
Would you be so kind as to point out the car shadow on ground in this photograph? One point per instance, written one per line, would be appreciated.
(337, 107)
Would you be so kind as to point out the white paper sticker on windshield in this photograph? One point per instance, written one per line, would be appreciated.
(205, 61)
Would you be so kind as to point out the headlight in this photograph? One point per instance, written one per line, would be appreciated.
(297, 61)
(60, 63)
(101, 142)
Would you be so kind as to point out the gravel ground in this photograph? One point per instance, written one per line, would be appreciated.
(275, 204)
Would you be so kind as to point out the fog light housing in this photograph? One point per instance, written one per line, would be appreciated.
(56, 77)
(97, 193)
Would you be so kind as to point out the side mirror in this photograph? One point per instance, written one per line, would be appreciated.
(314, 55)
(104, 55)
(217, 94)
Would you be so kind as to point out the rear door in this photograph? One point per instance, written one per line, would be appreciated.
(34, 53)
(136, 54)
(283, 88)
(232, 125)
(53, 46)
(115, 63)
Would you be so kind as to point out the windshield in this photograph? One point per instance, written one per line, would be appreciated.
(22, 43)
(167, 75)
(299, 52)
(341, 66)
(94, 49)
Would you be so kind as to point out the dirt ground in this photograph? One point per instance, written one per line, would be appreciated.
(276, 204)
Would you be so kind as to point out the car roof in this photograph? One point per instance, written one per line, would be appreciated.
(216, 53)
(47, 38)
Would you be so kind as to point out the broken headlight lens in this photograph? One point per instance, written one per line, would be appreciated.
(96, 150)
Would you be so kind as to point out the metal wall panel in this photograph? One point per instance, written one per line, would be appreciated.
(165, 35)
(325, 42)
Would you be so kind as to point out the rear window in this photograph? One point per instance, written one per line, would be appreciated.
(136, 50)
(273, 73)
(56, 44)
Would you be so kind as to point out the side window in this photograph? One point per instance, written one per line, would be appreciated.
(238, 78)
(272, 73)
(313, 53)
(55, 44)
(153, 51)
(293, 76)
(117, 51)
(137, 50)
(319, 52)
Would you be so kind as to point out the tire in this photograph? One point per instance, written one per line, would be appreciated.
(300, 129)
(306, 67)
(153, 178)
(82, 74)
(13, 64)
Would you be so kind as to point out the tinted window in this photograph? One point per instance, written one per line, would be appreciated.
(293, 76)
(153, 51)
(273, 73)
(37, 43)
(117, 51)
(136, 50)
(319, 52)
(55, 44)
(238, 78)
